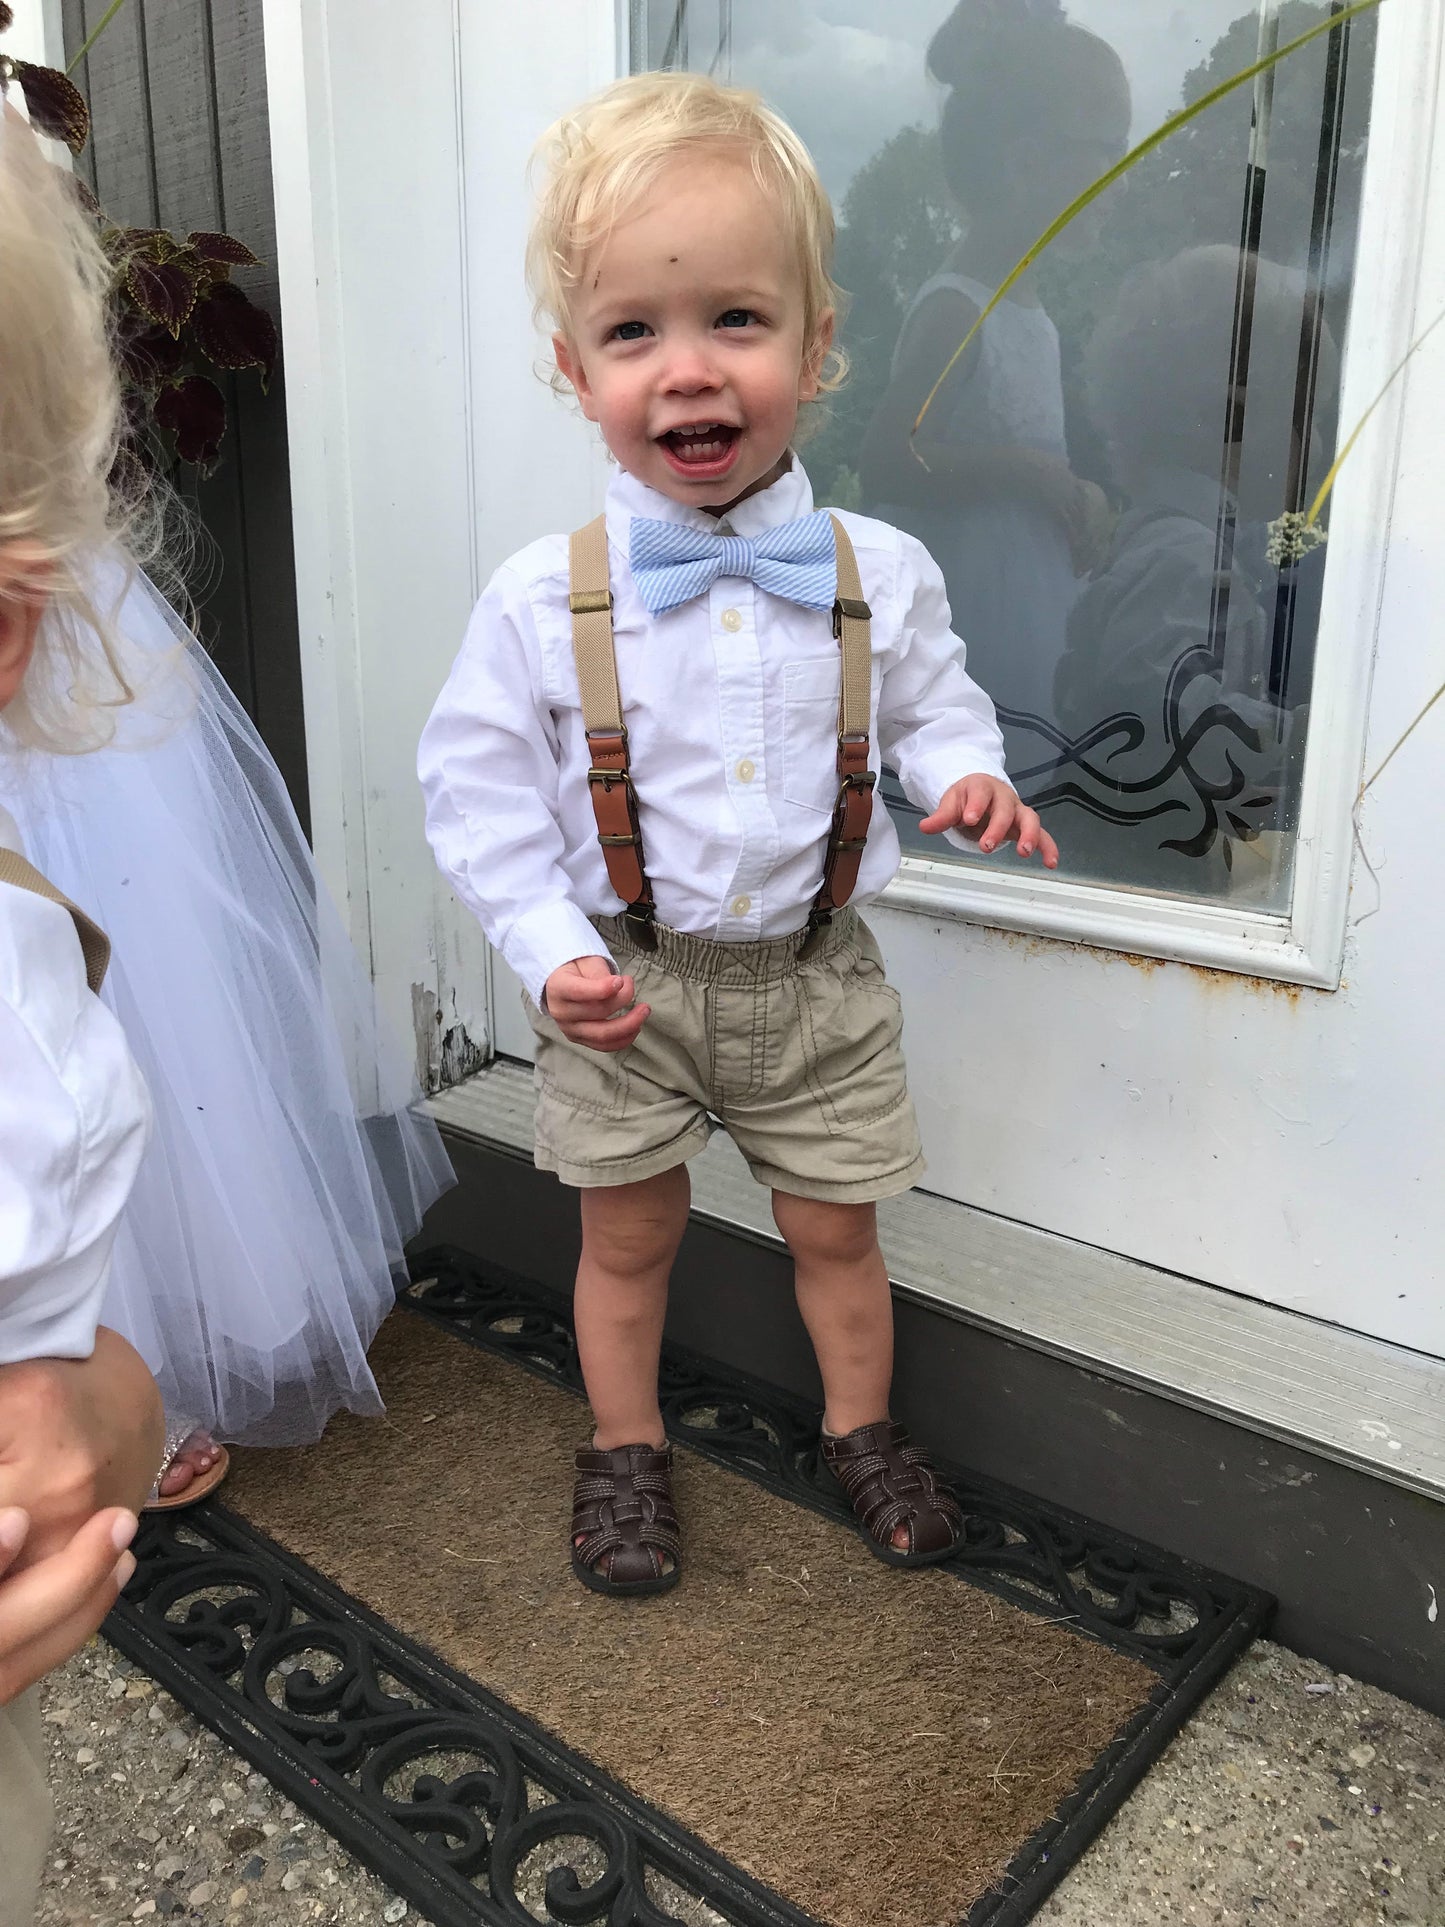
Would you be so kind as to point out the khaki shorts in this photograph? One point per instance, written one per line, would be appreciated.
(800, 1061)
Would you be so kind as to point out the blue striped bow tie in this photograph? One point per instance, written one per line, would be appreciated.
(672, 563)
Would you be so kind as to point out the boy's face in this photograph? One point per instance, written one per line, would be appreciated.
(686, 346)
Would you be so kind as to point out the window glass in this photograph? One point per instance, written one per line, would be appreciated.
(1098, 476)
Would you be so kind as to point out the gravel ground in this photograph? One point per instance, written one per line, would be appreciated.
(1296, 1798)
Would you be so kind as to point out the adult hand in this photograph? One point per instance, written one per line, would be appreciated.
(49, 1610)
(77, 1436)
(990, 810)
(590, 1004)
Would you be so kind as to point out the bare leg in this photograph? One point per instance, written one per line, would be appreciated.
(630, 1235)
(842, 1286)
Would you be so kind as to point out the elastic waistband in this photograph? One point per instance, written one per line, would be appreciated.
(707, 960)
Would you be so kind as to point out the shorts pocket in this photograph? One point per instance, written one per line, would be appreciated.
(851, 1024)
(595, 1081)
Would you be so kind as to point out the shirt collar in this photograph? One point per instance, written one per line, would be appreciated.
(788, 498)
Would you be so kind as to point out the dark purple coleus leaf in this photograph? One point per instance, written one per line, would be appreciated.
(194, 411)
(234, 333)
(56, 105)
(81, 190)
(151, 356)
(223, 250)
(164, 292)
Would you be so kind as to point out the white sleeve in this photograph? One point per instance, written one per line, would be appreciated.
(74, 1117)
(488, 764)
(935, 725)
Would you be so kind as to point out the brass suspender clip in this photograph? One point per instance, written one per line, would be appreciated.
(590, 602)
(850, 606)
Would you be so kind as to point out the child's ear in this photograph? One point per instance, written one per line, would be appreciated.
(817, 353)
(570, 362)
(24, 592)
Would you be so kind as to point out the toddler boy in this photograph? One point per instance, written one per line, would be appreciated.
(650, 776)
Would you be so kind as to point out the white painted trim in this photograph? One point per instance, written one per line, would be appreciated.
(1307, 946)
(1346, 1396)
(309, 270)
(37, 34)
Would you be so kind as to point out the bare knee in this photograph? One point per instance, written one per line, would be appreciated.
(823, 1234)
(630, 1230)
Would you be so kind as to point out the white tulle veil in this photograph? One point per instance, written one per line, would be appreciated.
(289, 1164)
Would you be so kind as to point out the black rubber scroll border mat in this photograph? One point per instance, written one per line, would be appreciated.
(340, 1745)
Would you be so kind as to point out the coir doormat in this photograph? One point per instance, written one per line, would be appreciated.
(387, 1625)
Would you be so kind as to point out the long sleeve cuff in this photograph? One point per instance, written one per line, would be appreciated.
(543, 940)
(57, 1316)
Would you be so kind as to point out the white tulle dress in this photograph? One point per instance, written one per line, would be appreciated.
(289, 1164)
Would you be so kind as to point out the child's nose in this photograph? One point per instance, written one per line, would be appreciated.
(690, 370)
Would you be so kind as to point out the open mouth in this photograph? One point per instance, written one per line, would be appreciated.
(701, 448)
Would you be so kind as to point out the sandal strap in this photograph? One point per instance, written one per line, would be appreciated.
(623, 1511)
(891, 1482)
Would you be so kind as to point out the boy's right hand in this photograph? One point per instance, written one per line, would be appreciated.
(50, 1610)
(586, 1000)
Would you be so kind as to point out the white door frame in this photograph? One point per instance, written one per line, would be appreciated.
(402, 487)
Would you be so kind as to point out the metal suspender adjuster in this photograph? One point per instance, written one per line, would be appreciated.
(853, 609)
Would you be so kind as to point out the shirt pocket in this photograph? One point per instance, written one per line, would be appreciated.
(810, 733)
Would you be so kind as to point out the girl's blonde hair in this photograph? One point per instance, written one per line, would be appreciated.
(60, 428)
(597, 163)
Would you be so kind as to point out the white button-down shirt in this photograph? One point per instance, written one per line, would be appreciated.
(74, 1117)
(731, 704)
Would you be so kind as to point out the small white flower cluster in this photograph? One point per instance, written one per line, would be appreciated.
(1292, 537)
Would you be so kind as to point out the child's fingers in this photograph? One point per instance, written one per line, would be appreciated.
(948, 815)
(978, 798)
(49, 1610)
(609, 1034)
(590, 997)
(14, 1531)
(30, 1662)
(1000, 821)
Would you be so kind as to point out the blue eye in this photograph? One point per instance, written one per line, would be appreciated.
(736, 318)
(629, 330)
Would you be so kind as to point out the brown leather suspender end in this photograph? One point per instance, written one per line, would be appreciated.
(853, 809)
(609, 779)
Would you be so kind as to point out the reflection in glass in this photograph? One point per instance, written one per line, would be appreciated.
(1096, 475)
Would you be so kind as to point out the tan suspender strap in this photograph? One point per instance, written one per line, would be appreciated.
(591, 605)
(853, 810)
(614, 799)
(94, 943)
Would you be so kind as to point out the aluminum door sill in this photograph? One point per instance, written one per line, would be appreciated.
(1350, 1398)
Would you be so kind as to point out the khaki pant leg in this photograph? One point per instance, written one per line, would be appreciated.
(25, 1809)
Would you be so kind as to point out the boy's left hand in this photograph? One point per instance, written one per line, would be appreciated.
(990, 810)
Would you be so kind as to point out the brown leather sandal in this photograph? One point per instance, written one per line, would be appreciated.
(890, 1483)
(623, 1513)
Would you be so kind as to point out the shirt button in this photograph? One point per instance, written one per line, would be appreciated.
(747, 770)
(741, 906)
(731, 621)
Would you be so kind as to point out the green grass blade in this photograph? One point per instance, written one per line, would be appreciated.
(105, 19)
(1337, 464)
(1120, 168)
(1401, 742)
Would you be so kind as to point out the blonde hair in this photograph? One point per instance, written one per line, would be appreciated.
(598, 162)
(60, 428)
